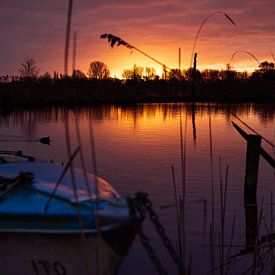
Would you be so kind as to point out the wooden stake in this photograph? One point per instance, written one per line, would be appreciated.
(252, 167)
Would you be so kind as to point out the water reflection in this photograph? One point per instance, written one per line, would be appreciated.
(136, 147)
(137, 113)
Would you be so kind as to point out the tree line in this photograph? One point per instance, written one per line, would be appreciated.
(139, 85)
(99, 70)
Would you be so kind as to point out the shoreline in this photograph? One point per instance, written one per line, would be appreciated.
(78, 92)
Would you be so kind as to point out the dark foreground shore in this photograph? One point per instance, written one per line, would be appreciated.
(85, 92)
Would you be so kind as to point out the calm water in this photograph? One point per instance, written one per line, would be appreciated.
(135, 149)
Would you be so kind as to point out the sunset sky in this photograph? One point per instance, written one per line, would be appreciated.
(36, 28)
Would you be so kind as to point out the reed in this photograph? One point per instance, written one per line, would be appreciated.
(246, 52)
(211, 166)
(231, 242)
(201, 26)
(211, 248)
(68, 34)
(66, 168)
(271, 229)
(177, 214)
(115, 40)
(93, 153)
(212, 223)
(66, 117)
(183, 145)
(74, 52)
(180, 202)
(223, 195)
(82, 160)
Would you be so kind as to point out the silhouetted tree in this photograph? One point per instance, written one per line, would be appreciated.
(5, 78)
(79, 74)
(127, 73)
(134, 74)
(47, 75)
(164, 72)
(190, 74)
(228, 74)
(55, 75)
(28, 68)
(266, 66)
(45, 79)
(98, 70)
(242, 75)
(266, 71)
(174, 74)
(150, 73)
(228, 67)
(210, 75)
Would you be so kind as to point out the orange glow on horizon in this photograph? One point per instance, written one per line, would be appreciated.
(116, 71)
(119, 58)
(213, 53)
(158, 28)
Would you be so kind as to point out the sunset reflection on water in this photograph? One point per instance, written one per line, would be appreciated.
(136, 147)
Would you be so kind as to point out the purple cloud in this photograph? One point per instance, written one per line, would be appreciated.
(37, 28)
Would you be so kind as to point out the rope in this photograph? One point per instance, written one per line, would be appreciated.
(11, 184)
(254, 131)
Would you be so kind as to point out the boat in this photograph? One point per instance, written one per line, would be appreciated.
(58, 219)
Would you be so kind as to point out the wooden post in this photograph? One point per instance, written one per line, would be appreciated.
(252, 167)
(251, 226)
(180, 59)
(254, 150)
(67, 41)
(74, 54)
(194, 72)
(250, 191)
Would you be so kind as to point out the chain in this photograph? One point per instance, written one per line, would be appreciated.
(138, 207)
(161, 231)
(137, 213)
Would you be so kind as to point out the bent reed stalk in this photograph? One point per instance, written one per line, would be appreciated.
(115, 40)
(246, 52)
(201, 26)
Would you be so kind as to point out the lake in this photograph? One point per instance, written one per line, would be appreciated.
(136, 146)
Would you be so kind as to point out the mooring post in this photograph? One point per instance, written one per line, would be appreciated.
(253, 152)
(250, 190)
(252, 168)
(194, 73)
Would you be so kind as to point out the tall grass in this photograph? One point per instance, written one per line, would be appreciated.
(67, 39)
(201, 26)
(115, 40)
(246, 52)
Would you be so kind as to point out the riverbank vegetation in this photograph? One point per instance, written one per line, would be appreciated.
(140, 85)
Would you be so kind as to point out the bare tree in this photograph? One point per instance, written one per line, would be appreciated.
(28, 68)
(266, 66)
(98, 70)
(127, 73)
(150, 73)
(47, 75)
(175, 74)
(79, 74)
(135, 73)
(210, 75)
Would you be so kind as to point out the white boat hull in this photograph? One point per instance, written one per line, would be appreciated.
(51, 229)
(57, 254)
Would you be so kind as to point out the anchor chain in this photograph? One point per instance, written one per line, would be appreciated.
(139, 205)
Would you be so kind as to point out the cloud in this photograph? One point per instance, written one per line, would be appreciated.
(37, 28)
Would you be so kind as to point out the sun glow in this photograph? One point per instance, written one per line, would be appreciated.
(119, 58)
